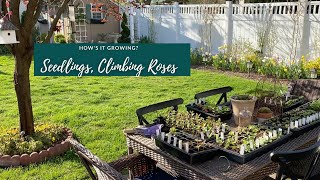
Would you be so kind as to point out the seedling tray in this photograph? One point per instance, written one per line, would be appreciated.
(303, 129)
(241, 159)
(192, 157)
(293, 106)
(204, 114)
(296, 131)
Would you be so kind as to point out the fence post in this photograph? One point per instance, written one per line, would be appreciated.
(229, 24)
(241, 2)
(131, 25)
(138, 14)
(304, 43)
(176, 12)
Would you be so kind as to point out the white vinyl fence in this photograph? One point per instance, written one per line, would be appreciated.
(288, 30)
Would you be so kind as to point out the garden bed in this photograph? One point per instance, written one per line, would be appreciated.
(24, 159)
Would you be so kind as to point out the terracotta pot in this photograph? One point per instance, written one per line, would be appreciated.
(261, 117)
(265, 115)
(239, 105)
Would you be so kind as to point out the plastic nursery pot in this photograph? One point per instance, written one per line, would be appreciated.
(238, 105)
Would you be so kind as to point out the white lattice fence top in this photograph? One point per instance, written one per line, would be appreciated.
(248, 8)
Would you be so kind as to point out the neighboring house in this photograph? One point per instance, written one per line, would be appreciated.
(88, 26)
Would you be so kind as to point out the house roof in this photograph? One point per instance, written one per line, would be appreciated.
(5, 24)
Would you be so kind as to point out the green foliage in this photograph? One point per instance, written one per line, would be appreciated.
(43, 37)
(59, 38)
(4, 50)
(242, 97)
(264, 110)
(239, 55)
(71, 39)
(125, 33)
(35, 34)
(11, 143)
(146, 40)
(315, 105)
(195, 57)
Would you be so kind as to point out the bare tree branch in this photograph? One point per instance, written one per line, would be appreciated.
(28, 19)
(55, 21)
(15, 19)
(38, 11)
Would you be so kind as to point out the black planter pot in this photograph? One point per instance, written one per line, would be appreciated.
(223, 117)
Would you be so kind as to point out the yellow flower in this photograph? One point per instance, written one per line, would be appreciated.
(285, 70)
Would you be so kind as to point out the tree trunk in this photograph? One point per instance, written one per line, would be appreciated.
(22, 87)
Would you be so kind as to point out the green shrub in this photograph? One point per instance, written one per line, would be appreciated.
(315, 105)
(220, 62)
(146, 40)
(59, 38)
(45, 136)
(71, 39)
(125, 33)
(4, 50)
(43, 37)
(196, 57)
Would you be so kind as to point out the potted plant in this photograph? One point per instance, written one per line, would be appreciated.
(241, 102)
(264, 113)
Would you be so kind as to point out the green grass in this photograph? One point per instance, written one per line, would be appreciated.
(97, 109)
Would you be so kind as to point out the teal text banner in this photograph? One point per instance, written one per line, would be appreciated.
(112, 60)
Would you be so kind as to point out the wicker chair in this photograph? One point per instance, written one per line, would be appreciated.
(298, 164)
(305, 87)
(141, 166)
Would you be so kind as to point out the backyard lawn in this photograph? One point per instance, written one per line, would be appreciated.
(96, 109)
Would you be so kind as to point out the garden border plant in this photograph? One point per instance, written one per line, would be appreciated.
(241, 52)
(48, 141)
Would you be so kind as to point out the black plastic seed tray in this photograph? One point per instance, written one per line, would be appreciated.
(223, 117)
(242, 159)
(221, 102)
(303, 129)
(295, 105)
(205, 153)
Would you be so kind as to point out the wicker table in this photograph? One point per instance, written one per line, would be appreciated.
(257, 168)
